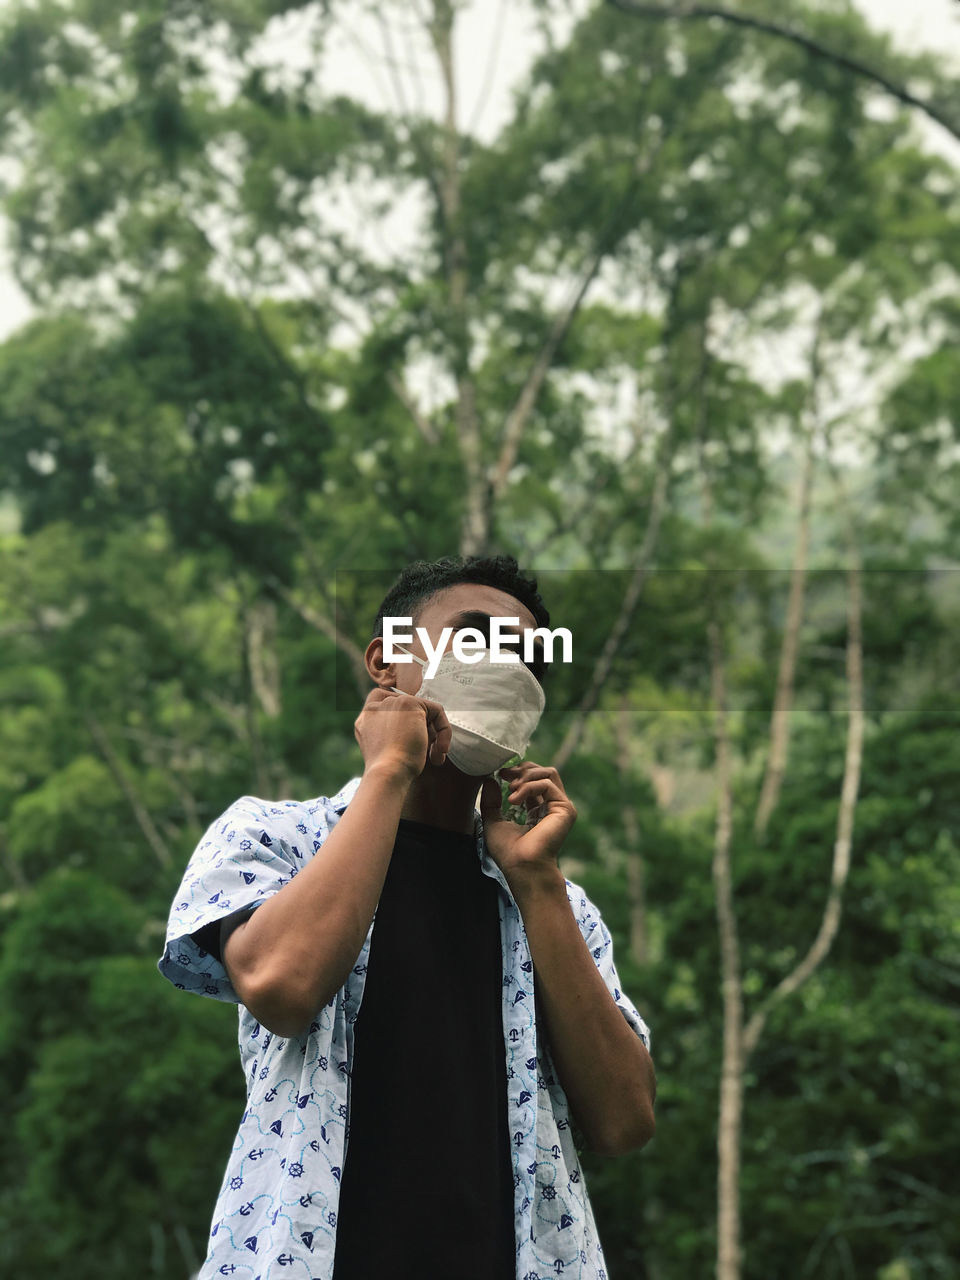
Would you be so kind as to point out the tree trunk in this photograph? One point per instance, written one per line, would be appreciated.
(729, 1127)
(729, 1121)
(262, 652)
(636, 890)
(783, 698)
(476, 517)
(739, 1042)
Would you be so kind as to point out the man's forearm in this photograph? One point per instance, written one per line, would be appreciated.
(604, 1067)
(296, 950)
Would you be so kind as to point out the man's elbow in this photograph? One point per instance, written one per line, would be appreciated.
(638, 1124)
(646, 1132)
(275, 1003)
(629, 1139)
(275, 1010)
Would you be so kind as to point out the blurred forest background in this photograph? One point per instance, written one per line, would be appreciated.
(683, 337)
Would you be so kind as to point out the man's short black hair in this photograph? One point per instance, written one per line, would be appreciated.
(420, 581)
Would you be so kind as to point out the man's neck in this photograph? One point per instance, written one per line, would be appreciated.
(443, 797)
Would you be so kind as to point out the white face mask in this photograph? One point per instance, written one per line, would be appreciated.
(493, 708)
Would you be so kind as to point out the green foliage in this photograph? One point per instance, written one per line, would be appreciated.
(112, 1113)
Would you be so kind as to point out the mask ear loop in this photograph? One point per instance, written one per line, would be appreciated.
(394, 688)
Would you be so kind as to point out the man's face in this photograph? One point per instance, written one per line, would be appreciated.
(467, 604)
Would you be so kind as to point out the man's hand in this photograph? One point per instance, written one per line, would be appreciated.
(402, 732)
(527, 853)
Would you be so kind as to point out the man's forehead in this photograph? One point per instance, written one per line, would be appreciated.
(469, 596)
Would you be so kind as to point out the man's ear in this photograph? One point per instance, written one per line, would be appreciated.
(380, 672)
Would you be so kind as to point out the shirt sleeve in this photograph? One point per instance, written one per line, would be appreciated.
(239, 863)
(600, 943)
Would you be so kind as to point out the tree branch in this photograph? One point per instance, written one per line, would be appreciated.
(326, 627)
(423, 423)
(14, 868)
(520, 413)
(811, 45)
(145, 822)
(627, 607)
(830, 922)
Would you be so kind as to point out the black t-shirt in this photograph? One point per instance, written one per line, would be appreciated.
(211, 937)
(427, 1186)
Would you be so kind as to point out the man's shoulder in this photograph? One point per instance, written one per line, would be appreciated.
(259, 820)
(290, 816)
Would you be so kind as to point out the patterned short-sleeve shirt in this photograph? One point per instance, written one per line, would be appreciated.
(276, 1212)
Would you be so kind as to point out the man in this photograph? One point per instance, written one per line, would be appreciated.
(425, 1002)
